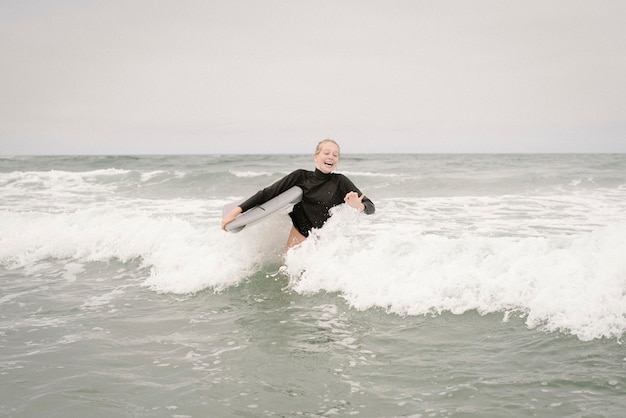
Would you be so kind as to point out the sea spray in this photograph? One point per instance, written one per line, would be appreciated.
(574, 283)
(181, 257)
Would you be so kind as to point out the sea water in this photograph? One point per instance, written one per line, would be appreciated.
(484, 285)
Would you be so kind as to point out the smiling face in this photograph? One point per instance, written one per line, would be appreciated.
(326, 156)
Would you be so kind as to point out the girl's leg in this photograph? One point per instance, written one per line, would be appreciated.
(294, 238)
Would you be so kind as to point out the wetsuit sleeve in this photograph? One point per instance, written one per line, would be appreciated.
(350, 187)
(271, 191)
(369, 206)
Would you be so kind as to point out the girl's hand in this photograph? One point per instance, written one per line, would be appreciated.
(354, 200)
(230, 216)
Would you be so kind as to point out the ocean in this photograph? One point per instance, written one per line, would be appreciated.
(483, 286)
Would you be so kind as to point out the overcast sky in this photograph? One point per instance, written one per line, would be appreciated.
(276, 76)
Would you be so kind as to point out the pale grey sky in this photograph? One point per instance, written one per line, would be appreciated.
(276, 76)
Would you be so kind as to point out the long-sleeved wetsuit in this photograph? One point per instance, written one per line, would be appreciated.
(320, 193)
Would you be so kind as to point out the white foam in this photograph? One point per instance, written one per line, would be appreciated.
(411, 258)
(72, 270)
(56, 179)
(574, 283)
(182, 256)
(249, 174)
(46, 189)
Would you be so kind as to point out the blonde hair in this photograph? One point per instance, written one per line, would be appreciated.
(318, 149)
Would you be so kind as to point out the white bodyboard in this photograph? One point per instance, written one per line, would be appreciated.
(257, 213)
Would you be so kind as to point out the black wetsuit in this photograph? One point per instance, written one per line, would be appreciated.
(320, 193)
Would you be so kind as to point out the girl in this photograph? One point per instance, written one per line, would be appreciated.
(322, 189)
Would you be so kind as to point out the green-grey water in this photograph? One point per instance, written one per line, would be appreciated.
(499, 292)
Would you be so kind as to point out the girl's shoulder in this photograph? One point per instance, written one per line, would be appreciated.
(344, 180)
